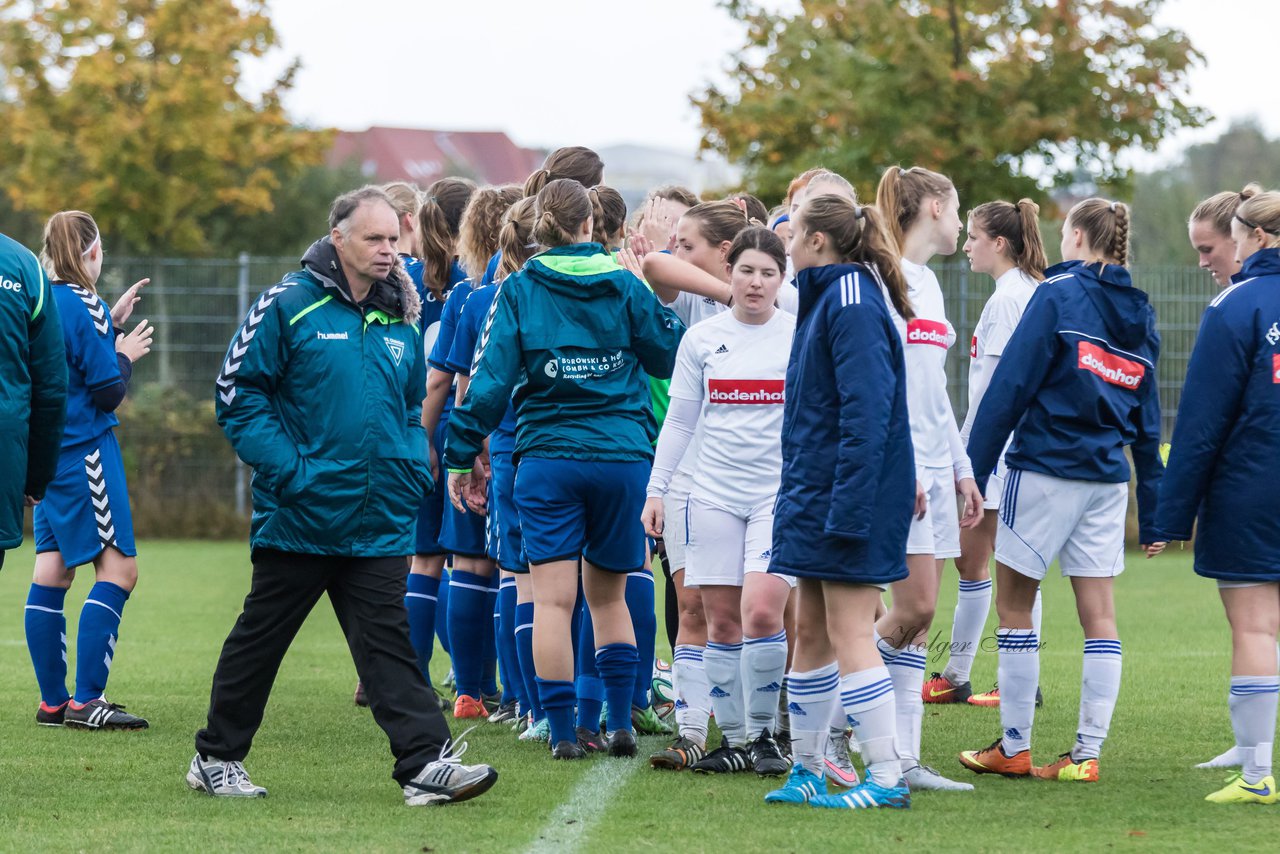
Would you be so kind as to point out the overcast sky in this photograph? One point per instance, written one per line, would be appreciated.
(535, 70)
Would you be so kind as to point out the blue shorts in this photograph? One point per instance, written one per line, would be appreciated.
(572, 508)
(86, 507)
(505, 544)
(459, 533)
(430, 515)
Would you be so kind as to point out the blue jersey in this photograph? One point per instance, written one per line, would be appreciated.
(455, 298)
(91, 362)
(467, 334)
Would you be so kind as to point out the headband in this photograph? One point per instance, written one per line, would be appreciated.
(97, 237)
(1250, 224)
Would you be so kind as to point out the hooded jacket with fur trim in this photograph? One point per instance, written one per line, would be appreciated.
(322, 396)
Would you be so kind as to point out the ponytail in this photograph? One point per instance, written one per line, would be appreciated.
(859, 235)
(1106, 227)
(1260, 209)
(609, 214)
(481, 223)
(901, 194)
(1019, 225)
(575, 163)
(515, 240)
(68, 237)
(561, 207)
(439, 220)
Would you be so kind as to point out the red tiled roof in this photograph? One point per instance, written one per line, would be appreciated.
(423, 156)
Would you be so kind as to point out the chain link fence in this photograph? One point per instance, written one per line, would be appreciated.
(185, 481)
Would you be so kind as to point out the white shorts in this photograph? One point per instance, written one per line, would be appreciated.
(995, 486)
(675, 535)
(725, 543)
(938, 533)
(1080, 523)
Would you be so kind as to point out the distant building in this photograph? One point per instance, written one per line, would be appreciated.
(424, 156)
(634, 170)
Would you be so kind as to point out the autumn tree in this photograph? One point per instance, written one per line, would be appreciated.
(132, 110)
(1001, 95)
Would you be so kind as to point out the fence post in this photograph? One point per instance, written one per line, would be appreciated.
(242, 308)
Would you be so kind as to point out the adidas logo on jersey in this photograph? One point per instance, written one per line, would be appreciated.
(1110, 367)
(766, 554)
(721, 349)
(718, 692)
(771, 688)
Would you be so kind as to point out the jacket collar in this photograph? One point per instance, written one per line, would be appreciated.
(394, 295)
(1264, 262)
(1112, 274)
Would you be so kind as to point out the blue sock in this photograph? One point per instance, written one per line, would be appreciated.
(617, 663)
(489, 650)
(47, 642)
(588, 685)
(96, 641)
(557, 699)
(512, 681)
(442, 612)
(524, 652)
(420, 601)
(640, 603)
(470, 620)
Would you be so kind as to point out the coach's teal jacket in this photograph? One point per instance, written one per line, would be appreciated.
(576, 337)
(33, 386)
(323, 397)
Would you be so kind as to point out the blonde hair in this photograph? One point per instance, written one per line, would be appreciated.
(1260, 208)
(68, 237)
(1106, 226)
(902, 192)
(1218, 210)
(481, 222)
(1019, 225)
(801, 181)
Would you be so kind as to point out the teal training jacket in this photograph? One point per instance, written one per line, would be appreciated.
(323, 398)
(576, 338)
(33, 386)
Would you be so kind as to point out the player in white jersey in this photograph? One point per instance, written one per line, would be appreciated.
(1005, 243)
(923, 211)
(729, 379)
(703, 237)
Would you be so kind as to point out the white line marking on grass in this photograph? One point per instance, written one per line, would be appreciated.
(569, 826)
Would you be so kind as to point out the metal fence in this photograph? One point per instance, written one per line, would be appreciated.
(185, 480)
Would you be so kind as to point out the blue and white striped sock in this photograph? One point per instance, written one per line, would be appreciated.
(764, 666)
(973, 603)
(1019, 675)
(723, 662)
(1099, 688)
(906, 669)
(693, 700)
(1253, 718)
(867, 697)
(810, 696)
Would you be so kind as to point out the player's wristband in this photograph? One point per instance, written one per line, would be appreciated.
(460, 471)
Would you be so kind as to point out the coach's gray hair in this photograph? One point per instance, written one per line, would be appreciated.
(345, 206)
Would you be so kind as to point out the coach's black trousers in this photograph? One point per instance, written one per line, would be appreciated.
(368, 597)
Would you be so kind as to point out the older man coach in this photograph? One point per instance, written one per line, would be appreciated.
(321, 393)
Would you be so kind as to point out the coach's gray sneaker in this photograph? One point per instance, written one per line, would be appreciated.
(221, 779)
(447, 780)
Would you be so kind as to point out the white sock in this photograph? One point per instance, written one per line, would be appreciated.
(1099, 688)
(1037, 616)
(907, 672)
(867, 698)
(693, 700)
(1019, 671)
(764, 665)
(811, 693)
(723, 663)
(972, 606)
(1253, 718)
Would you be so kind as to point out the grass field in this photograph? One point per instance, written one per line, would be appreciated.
(328, 767)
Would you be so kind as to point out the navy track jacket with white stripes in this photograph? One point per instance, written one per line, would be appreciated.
(1226, 445)
(1076, 384)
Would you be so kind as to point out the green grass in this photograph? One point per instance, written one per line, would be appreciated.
(328, 767)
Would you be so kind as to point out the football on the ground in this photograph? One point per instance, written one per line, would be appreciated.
(662, 692)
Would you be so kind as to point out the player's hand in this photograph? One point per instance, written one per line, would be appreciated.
(653, 517)
(630, 261)
(640, 245)
(434, 460)
(29, 501)
(121, 311)
(922, 501)
(464, 488)
(1153, 549)
(137, 343)
(967, 488)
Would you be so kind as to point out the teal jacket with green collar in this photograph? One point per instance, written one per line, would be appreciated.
(571, 339)
(323, 398)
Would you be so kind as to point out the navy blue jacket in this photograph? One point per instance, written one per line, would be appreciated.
(1076, 384)
(848, 470)
(1226, 445)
